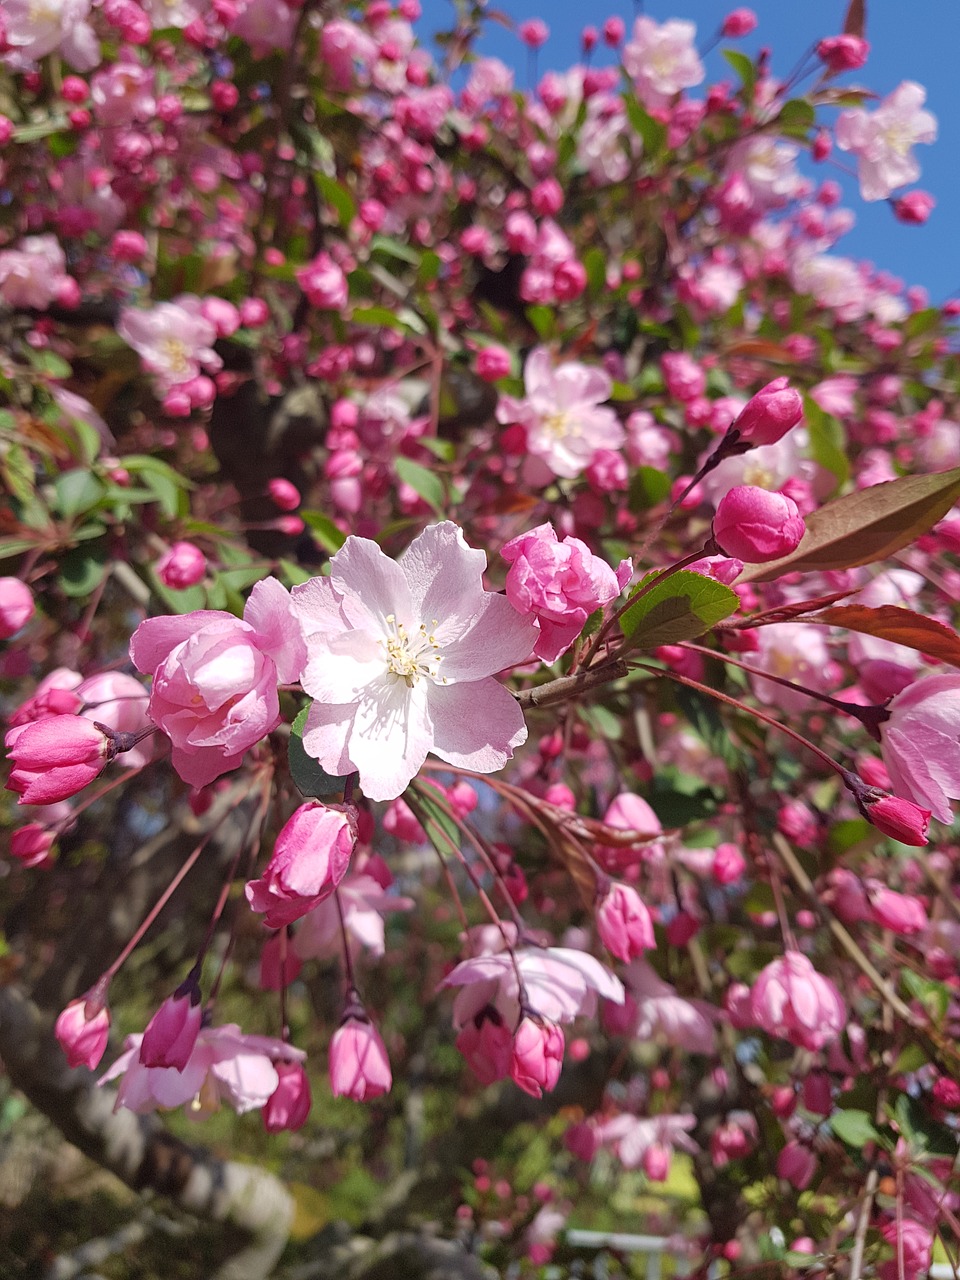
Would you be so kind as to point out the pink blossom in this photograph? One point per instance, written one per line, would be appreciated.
(729, 863)
(402, 656)
(769, 414)
(882, 140)
(560, 583)
(174, 13)
(359, 1066)
(684, 377)
(662, 60)
(534, 32)
(486, 1042)
(624, 922)
(171, 1033)
(795, 652)
(898, 912)
(347, 51)
(914, 208)
(756, 526)
(634, 1137)
(31, 845)
(898, 818)
(364, 900)
(562, 414)
(920, 743)
(33, 273)
(265, 25)
(118, 701)
(310, 858)
(225, 1064)
(791, 1000)
(493, 362)
(123, 92)
(55, 757)
(797, 1164)
(289, 1105)
(83, 1029)
(215, 678)
(739, 22)
(16, 606)
(768, 169)
(663, 1014)
(182, 565)
(537, 1056)
(630, 812)
(324, 283)
(173, 339)
(845, 52)
(35, 30)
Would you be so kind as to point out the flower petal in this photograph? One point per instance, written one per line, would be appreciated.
(477, 725)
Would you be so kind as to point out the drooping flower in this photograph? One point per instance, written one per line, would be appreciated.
(359, 1066)
(920, 743)
(401, 659)
(882, 140)
(563, 414)
(791, 1000)
(310, 858)
(83, 1030)
(215, 678)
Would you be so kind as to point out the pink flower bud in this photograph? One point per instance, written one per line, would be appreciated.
(756, 526)
(897, 912)
(790, 999)
(534, 33)
(537, 1055)
(31, 845)
(289, 1104)
(900, 819)
(16, 606)
(323, 282)
(728, 864)
(359, 1066)
(284, 495)
(588, 39)
(172, 1032)
(128, 246)
(614, 29)
(56, 757)
(656, 1162)
(796, 1164)
(83, 1029)
(624, 923)
(487, 1044)
(843, 53)
(739, 22)
(914, 208)
(493, 363)
(769, 415)
(310, 858)
(184, 565)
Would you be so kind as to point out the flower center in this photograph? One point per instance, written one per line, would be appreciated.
(175, 354)
(759, 476)
(410, 657)
(559, 424)
(899, 137)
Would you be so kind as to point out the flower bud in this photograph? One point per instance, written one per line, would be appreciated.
(310, 858)
(843, 53)
(182, 566)
(624, 923)
(769, 415)
(31, 844)
(914, 208)
(756, 526)
(797, 1164)
(487, 1044)
(16, 606)
(172, 1032)
(83, 1031)
(537, 1055)
(359, 1066)
(56, 757)
(728, 864)
(289, 1104)
(900, 819)
(656, 1162)
(284, 495)
(739, 22)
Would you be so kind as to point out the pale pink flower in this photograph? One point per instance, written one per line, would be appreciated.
(664, 1014)
(359, 1066)
(560, 583)
(920, 743)
(34, 30)
(224, 1065)
(836, 395)
(795, 652)
(833, 282)
(562, 413)
(347, 50)
(624, 922)
(265, 25)
(632, 1137)
(364, 900)
(401, 662)
(661, 59)
(174, 13)
(791, 1000)
(173, 339)
(768, 168)
(630, 812)
(120, 702)
(33, 273)
(123, 92)
(215, 678)
(605, 145)
(882, 140)
(323, 282)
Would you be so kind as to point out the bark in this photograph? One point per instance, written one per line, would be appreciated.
(138, 1150)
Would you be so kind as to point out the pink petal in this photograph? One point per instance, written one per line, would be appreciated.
(390, 737)
(373, 587)
(156, 637)
(498, 638)
(477, 725)
(270, 612)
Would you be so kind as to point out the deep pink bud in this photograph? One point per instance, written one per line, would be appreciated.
(31, 844)
(487, 1044)
(821, 146)
(359, 1066)
(493, 363)
(656, 1162)
(728, 864)
(739, 22)
(817, 1094)
(796, 1164)
(182, 566)
(588, 39)
(769, 415)
(537, 1055)
(900, 819)
(56, 757)
(16, 606)
(284, 495)
(843, 53)
(914, 208)
(172, 1032)
(614, 29)
(310, 858)
(534, 32)
(128, 246)
(624, 923)
(897, 912)
(83, 1029)
(289, 1104)
(756, 525)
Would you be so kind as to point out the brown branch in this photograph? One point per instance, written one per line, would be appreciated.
(565, 688)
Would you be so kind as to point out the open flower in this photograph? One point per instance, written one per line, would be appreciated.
(882, 140)
(401, 659)
(921, 743)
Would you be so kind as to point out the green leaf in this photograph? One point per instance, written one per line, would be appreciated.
(865, 526)
(82, 570)
(10, 547)
(395, 249)
(328, 535)
(648, 488)
(680, 607)
(383, 318)
(421, 481)
(442, 831)
(855, 1128)
(311, 780)
(595, 265)
(165, 482)
(797, 118)
(653, 134)
(77, 491)
(16, 468)
(51, 364)
(934, 996)
(745, 69)
(337, 196)
(445, 450)
(543, 320)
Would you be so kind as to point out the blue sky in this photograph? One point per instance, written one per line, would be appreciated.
(910, 40)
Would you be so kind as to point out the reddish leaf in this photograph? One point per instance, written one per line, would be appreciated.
(783, 612)
(761, 349)
(855, 23)
(902, 626)
(865, 526)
